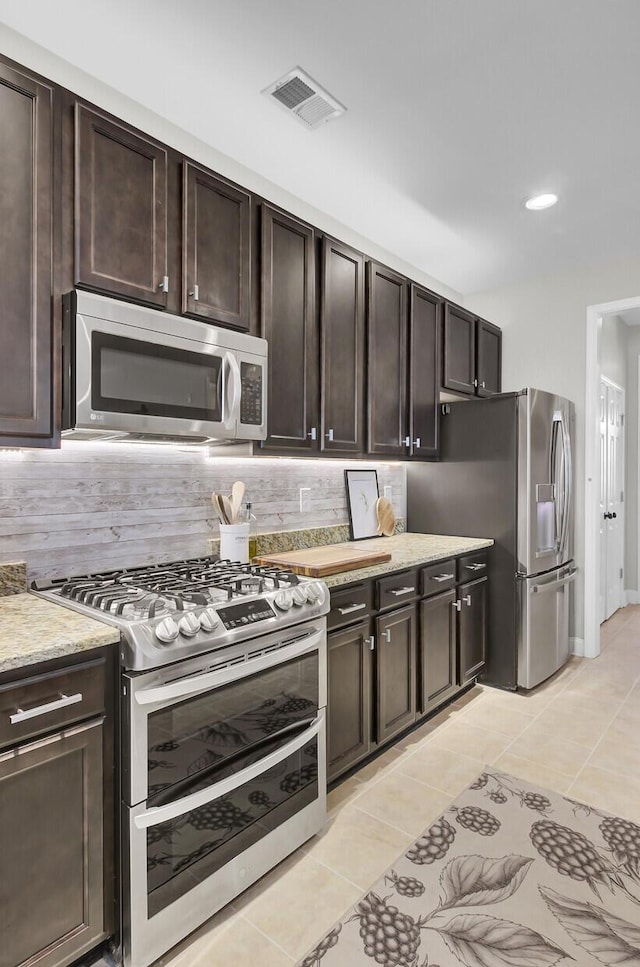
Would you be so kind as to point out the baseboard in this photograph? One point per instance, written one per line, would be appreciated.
(631, 596)
(576, 647)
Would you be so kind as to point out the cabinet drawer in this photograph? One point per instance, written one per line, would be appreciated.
(37, 705)
(350, 604)
(437, 577)
(472, 566)
(397, 589)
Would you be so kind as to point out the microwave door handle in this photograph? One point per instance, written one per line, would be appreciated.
(234, 390)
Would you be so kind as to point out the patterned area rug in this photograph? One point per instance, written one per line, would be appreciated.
(509, 876)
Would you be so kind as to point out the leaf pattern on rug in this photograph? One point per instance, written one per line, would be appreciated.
(482, 941)
(478, 880)
(329, 940)
(603, 934)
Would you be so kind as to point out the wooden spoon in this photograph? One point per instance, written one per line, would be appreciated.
(226, 509)
(216, 501)
(386, 517)
(237, 493)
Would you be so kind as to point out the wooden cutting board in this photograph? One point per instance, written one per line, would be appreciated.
(318, 562)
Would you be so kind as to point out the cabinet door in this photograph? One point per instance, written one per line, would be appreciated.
(349, 698)
(387, 361)
(342, 348)
(26, 257)
(395, 671)
(489, 340)
(120, 210)
(289, 325)
(437, 650)
(459, 367)
(472, 628)
(425, 321)
(51, 827)
(216, 249)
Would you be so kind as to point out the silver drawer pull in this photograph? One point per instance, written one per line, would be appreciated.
(371, 641)
(442, 577)
(32, 713)
(400, 591)
(351, 608)
(457, 605)
(467, 600)
(475, 567)
(386, 634)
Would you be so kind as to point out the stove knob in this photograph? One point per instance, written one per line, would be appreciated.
(167, 631)
(299, 596)
(209, 619)
(189, 624)
(283, 600)
(313, 593)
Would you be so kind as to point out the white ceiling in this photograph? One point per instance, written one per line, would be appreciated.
(457, 111)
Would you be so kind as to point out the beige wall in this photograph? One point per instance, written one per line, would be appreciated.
(612, 350)
(544, 345)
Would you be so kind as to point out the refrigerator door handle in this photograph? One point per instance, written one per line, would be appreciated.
(554, 477)
(554, 585)
(568, 488)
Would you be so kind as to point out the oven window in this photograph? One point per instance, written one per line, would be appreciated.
(183, 852)
(193, 741)
(133, 376)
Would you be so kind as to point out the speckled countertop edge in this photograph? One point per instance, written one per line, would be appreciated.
(407, 550)
(13, 578)
(33, 630)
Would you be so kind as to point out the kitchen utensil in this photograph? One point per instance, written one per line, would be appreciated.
(318, 562)
(219, 509)
(386, 517)
(226, 508)
(237, 493)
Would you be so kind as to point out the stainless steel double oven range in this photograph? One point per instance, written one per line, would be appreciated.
(224, 688)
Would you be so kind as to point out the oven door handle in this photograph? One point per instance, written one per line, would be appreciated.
(193, 684)
(163, 814)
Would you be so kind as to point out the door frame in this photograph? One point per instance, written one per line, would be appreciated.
(610, 384)
(595, 314)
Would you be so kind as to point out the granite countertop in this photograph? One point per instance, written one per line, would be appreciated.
(407, 550)
(34, 630)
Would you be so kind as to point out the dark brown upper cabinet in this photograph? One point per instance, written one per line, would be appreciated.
(425, 323)
(120, 210)
(216, 249)
(289, 324)
(472, 354)
(387, 362)
(26, 254)
(459, 359)
(341, 349)
(489, 358)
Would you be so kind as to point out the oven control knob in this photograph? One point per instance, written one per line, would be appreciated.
(299, 596)
(167, 631)
(313, 593)
(283, 600)
(209, 619)
(189, 624)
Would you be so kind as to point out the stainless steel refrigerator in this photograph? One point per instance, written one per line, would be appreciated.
(506, 472)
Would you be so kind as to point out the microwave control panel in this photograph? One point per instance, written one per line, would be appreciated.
(251, 394)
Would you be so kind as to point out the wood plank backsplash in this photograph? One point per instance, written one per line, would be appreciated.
(92, 506)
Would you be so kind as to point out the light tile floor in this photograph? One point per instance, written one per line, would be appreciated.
(578, 733)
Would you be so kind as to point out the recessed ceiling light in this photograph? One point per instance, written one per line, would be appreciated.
(539, 202)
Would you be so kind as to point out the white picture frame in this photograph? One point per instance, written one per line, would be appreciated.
(362, 494)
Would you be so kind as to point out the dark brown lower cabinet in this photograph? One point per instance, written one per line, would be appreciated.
(438, 653)
(395, 671)
(51, 823)
(349, 701)
(472, 628)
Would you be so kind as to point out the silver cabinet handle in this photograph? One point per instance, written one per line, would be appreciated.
(457, 605)
(554, 585)
(329, 435)
(417, 442)
(475, 383)
(351, 608)
(467, 600)
(475, 567)
(21, 715)
(371, 641)
(195, 293)
(313, 433)
(407, 441)
(163, 286)
(442, 577)
(483, 384)
(399, 591)
(386, 634)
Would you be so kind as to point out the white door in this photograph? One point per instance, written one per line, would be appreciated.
(611, 498)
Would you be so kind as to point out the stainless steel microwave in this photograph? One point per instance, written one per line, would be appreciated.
(132, 373)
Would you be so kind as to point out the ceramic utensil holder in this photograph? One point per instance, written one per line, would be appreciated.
(234, 542)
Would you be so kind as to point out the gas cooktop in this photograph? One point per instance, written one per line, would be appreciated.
(166, 612)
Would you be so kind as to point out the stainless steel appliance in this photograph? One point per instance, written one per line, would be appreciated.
(224, 751)
(506, 472)
(132, 373)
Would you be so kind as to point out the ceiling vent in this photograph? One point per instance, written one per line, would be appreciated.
(299, 94)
